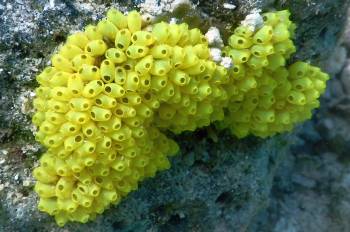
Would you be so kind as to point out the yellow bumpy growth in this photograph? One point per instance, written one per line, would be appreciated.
(101, 103)
(113, 88)
(271, 98)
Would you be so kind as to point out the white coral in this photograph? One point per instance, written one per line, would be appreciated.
(226, 62)
(215, 54)
(214, 38)
(254, 20)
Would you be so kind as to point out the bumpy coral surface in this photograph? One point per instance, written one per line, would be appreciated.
(114, 88)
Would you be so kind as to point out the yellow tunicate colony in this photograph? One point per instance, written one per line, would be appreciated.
(114, 88)
(94, 108)
(271, 97)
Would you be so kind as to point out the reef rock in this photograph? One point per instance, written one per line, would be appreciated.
(212, 186)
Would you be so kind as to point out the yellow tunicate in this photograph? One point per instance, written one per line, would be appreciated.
(69, 128)
(90, 130)
(113, 124)
(136, 51)
(55, 118)
(60, 93)
(239, 42)
(160, 32)
(144, 65)
(61, 63)
(263, 35)
(174, 34)
(39, 104)
(161, 51)
(80, 104)
(167, 92)
(117, 18)
(79, 60)
(89, 72)
(78, 39)
(202, 51)
(96, 48)
(73, 142)
(105, 101)
(92, 33)
(129, 64)
(122, 39)
(269, 94)
(134, 21)
(38, 118)
(92, 89)
(124, 111)
(244, 31)
(66, 204)
(107, 71)
(107, 29)
(64, 187)
(271, 18)
(196, 69)
(69, 51)
(100, 114)
(178, 56)
(131, 99)
(296, 98)
(262, 50)
(43, 92)
(58, 106)
(132, 81)
(179, 77)
(120, 75)
(45, 190)
(160, 67)
(280, 32)
(48, 205)
(190, 59)
(184, 39)
(112, 90)
(62, 168)
(239, 56)
(75, 85)
(298, 70)
(275, 61)
(257, 62)
(77, 117)
(286, 48)
(142, 38)
(116, 55)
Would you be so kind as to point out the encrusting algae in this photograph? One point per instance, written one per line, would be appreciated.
(114, 88)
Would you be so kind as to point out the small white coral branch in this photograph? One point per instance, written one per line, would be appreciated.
(216, 55)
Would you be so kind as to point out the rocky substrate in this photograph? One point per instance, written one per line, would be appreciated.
(212, 186)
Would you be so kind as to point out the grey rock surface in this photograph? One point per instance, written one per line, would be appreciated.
(221, 186)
